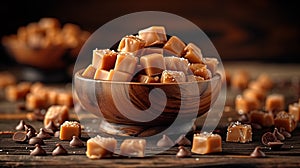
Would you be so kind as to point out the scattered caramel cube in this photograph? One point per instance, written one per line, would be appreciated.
(240, 80)
(17, 92)
(131, 44)
(285, 120)
(212, 64)
(65, 98)
(52, 97)
(275, 103)
(237, 132)
(193, 53)
(6, 79)
(104, 59)
(177, 64)
(245, 105)
(58, 114)
(100, 147)
(254, 94)
(200, 70)
(266, 81)
(34, 101)
(172, 77)
(89, 72)
(148, 79)
(153, 35)
(133, 147)
(119, 76)
(69, 129)
(175, 45)
(265, 119)
(205, 143)
(126, 63)
(101, 74)
(153, 64)
(294, 109)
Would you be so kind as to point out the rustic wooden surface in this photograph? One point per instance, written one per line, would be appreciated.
(14, 154)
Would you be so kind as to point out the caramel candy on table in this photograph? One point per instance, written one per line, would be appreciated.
(294, 109)
(119, 76)
(177, 64)
(69, 129)
(200, 70)
(254, 94)
(212, 64)
(240, 80)
(133, 147)
(100, 147)
(35, 101)
(153, 35)
(237, 132)
(193, 53)
(265, 119)
(245, 105)
(52, 97)
(65, 98)
(153, 64)
(172, 77)
(101, 74)
(285, 120)
(6, 79)
(57, 114)
(89, 72)
(275, 103)
(265, 80)
(148, 79)
(17, 92)
(104, 59)
(131, 44)
(175, 45)
(126, 63)
(205, 143)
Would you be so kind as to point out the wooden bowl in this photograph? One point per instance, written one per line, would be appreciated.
(124, 105)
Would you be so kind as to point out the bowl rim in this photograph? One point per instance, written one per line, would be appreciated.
(78, 75)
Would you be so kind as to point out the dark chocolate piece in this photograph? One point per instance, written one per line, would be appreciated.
(278, 135)
(20, 126)
(285, 133)
(183, 152)
(165, 141)
(257, 153)
(76, 142)
(268, 137)
(27, 126)
(38, 151)
(30, 133)
(59, 150)
(183, 141)
(51, 126)
(36, 140)
(19, 136)
(43, 134)
(275, 145)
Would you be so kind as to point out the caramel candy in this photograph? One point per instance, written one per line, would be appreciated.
(6, 79)
(101, 74)
(126, 63)
(254, 94)
(89, 72)
(34, 101)
(212, 64)
(153, 64)
(266, 81)
(148, 79)
(17, 92)
(240, 80)
(194, 78)
(172, 77)
(294, 109)
(153, 35)
(104, 59)
(65, 98)
(131, 44)
(285, 120)
(52, 97)
(200, 70)
(119, 76)
(57, 114)
(133, 147)
(237, 132)
(69, 129)
(274, 103)
(193, 53)
(244, 105)
(205, 143)
(175, 45)
(147, 51)
(100, 147)
(177, 64)
(262, 118)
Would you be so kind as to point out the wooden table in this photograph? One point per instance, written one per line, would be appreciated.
(14, 154)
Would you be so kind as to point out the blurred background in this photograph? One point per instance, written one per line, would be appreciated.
(259, 31)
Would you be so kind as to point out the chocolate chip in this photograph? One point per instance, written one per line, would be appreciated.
(278, 135)
(256, 126)
(51, 126)
(76, 142)
(19, 136)
(183, 141)
(20, 126)
(27, 126)
(43, 134)
(59, 150)
(183, 152)
(268, 137)
(165, 141)
(38, 151)
(275, 145)
(257, 153)
(36, 140)
(30, 133)
(285, 133)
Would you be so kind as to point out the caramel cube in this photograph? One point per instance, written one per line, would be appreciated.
(200, 70)
(153, 35)
(97, 57)
(65, 98)
(275, 103)
(294, 109)
(193, 53)
(89, 72)
(6, 79)
(212, 64)
(205, 143)
(240, 80)
(14, 93)
(153, 64)
(244, 105)
(100, 147)
(285, 120)
(101, 74)
(237, 132)
(58, 114)
(131, 44)
(126, 63)
(119, 76)
(262, 118)
(52, 97)
(133, 147)
(265, 80)
(147, 51)
(254, 94)
(148, 79)
(69, 129)
(34, 101)
(106, 59)
(172, 77)
(175, 45)
(177, 64)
